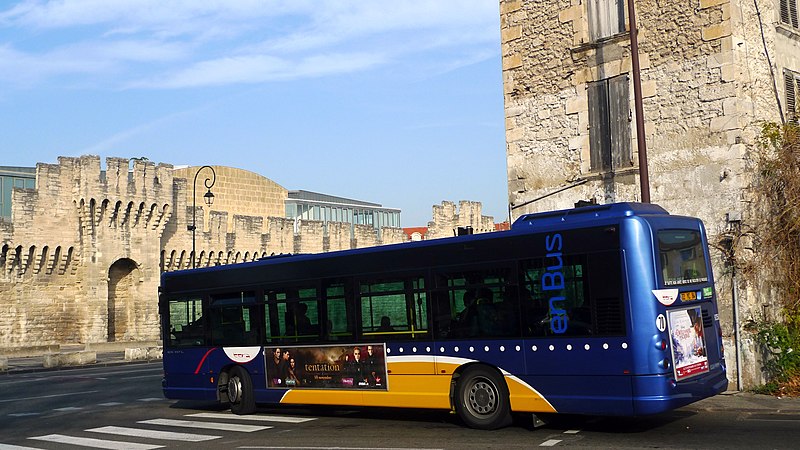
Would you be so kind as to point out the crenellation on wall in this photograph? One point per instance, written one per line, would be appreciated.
(309, 237)
(81, 256)
(364, 236)
(447, 218)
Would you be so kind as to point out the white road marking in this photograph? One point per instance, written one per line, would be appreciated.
(549, 442)
(572, 431)
(68, 409)
(94, 443)
(15, 447)
(110, 404)
(25, 414)
(153, 434)
(151, 399)
(253, 417)
(206, 425)
(9, 400)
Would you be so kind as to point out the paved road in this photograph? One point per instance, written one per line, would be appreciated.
(118, 405)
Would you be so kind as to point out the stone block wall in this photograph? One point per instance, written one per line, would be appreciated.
(706, 87)
(82, 254)
(447, 219)
(66, 236)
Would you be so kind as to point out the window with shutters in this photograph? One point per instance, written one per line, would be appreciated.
(789, 13)
(792, 86)
(606, 18)
(609, 124)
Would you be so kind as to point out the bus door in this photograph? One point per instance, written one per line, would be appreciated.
(185, 344)
(234, 320)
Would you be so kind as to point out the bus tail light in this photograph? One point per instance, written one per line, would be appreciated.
(664, 363)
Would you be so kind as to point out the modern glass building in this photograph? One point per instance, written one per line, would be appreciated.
(11, 177)
(327, 208)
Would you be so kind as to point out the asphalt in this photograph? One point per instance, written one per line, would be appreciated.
(741, 401)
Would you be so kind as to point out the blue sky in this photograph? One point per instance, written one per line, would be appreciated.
(394, 102)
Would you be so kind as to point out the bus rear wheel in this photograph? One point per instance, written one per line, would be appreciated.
(240, 392)
(482, 399)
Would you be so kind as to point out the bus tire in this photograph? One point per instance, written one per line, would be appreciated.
(482, 399)
(240, 391)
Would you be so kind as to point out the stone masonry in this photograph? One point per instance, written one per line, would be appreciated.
(82, 254)
(706, 85)
(81, 257)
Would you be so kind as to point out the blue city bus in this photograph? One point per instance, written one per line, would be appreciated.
(600, 310)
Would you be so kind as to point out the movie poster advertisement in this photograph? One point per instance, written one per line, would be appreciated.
(326, 367)
(688, 342)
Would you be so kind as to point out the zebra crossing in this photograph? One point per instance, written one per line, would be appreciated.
(208, 426)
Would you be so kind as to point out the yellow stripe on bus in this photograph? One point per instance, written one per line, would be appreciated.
(413, 384)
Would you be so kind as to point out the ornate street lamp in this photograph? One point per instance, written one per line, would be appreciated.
(208, 198)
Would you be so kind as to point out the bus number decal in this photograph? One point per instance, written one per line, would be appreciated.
(553, 280)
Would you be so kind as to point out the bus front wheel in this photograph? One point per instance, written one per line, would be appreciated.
(240, 392)
(482, 399)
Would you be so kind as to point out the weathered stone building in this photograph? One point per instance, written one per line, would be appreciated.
(81, 256)
(711, 72)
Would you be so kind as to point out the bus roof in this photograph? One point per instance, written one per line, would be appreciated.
(530, 222)
(587, 214)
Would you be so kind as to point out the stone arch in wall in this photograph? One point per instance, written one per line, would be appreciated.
(123, 281)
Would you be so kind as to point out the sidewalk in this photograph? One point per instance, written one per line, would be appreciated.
(79, 356)
(36, 363)
(748, 402)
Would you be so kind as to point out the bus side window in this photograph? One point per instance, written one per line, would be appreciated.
(233, 320)
(339, 310)
(482, 303)
(394, 309)
(292, 315)
(186, 326)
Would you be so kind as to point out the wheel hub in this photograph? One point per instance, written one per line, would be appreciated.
(482, 397)
(234, 389)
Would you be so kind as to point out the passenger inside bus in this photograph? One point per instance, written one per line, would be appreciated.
(386, 325)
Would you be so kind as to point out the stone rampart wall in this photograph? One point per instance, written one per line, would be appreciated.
(81, 257)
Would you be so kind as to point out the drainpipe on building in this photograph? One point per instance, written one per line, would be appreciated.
(736, 331)
(734, 220)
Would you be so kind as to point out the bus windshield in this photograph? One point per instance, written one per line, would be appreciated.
(683, 258)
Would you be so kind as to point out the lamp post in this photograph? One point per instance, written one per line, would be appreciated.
(208, 198)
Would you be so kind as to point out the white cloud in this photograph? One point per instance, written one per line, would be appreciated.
(259, 69)
(192, 43)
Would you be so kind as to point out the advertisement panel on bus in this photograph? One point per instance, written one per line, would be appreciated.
(327, 367)
(689, 353)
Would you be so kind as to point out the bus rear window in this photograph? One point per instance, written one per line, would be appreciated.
(683, 257)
